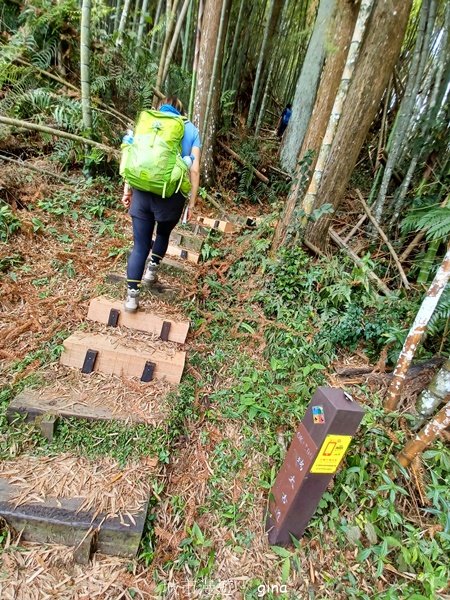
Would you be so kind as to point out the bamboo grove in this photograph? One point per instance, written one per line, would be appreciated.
(368, 81)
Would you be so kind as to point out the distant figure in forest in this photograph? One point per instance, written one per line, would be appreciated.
(148, 209)
(284, 120)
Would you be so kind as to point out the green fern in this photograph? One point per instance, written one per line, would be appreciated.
(441, 315)
(435, 221)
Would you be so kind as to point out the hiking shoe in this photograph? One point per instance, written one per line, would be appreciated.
(151, 275)
(131, 304)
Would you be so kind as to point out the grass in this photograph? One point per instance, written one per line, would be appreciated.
(268, 332)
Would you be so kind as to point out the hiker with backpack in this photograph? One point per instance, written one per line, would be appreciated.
(160, 166)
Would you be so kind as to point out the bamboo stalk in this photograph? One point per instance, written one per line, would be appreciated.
(23, 164)
(258, 174)
(141, 27)
(415, 242)
(123, 20)
(69, 85)
(85, 51)
(309, 201)
(174, 40)
(340, 242)
(354, 229)
(64, 134)
(417, 331)
(385, 240)
(426, 436)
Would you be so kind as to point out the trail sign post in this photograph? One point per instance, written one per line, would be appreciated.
(316, 451)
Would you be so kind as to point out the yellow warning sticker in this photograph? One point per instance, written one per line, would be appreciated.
(331, 453)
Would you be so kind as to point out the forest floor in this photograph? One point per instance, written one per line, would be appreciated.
(221, 436)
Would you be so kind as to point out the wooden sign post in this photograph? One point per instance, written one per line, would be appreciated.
(315, 453)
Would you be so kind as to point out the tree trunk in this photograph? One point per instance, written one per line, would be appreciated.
(262, 109)
(116, 15)
(207, 97)
(237, 34)
(85, 49)
(384, 38)
(140, 32)
(417, 331)
(269, 30)
(198, 37)
(310, 198)
(171, 12)
(187, 36)
(123, 21)
(425, 437)
(428, 113)
(344, 24)
(155, 23)
(433, 395)
(305, 93)
(406, 108)
(174, 40)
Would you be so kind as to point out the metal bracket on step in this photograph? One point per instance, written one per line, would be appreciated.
(184, 254)
(113, 317)
(89, 361)
(86, 548)
(47, 424)
(149, 369)
(165, 330)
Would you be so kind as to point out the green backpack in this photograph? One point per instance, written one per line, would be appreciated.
(152, 162)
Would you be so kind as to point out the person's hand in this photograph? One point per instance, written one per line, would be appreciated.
(126, 199)
(190, 212)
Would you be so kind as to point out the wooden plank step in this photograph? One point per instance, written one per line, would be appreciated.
(35, 403)
(195, 229)
(183, 254)
(115, 358)
(224, 226)
(100, 310)
(187, 239)
(60, 521)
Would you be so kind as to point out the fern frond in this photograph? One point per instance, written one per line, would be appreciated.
(441, 314)
(435, 221)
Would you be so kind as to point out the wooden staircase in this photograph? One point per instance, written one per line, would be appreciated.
(146, 346)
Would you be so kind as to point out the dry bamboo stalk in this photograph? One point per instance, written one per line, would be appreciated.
(340, 242)
(258, 174)
(355, 229)
(385, 240)
(417, 331)
(64, 134)
(25, 165)
(426, 436)
(415, 242)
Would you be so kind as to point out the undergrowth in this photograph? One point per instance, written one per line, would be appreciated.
(278, 323)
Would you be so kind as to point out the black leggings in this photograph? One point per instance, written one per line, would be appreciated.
(143, 233)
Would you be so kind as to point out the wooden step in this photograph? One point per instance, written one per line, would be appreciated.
(217, 224)
(195, 229)
(34, 403)
(100, 310)
(187, 239)
(60, 521)
(117, 359)
(183, 254)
